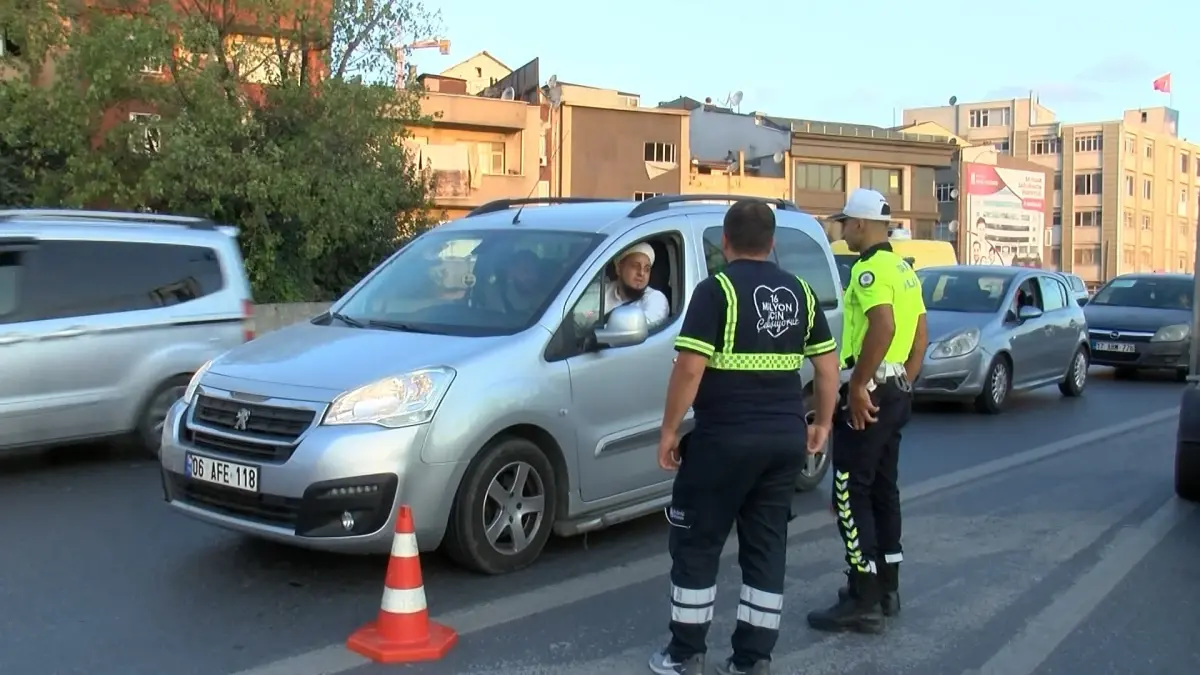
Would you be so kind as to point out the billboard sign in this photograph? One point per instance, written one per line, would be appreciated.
(1005, 216)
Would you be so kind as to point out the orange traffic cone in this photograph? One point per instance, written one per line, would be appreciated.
(403, 632)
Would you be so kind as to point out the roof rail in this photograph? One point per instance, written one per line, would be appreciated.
(506, 204)
(111, 216)
(663, 202)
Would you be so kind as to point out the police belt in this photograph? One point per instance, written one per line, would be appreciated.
(884, 372)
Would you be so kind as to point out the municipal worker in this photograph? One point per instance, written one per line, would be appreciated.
(746, 333)
(883, 341)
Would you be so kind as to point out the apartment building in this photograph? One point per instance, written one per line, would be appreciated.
(479, 72)
(478, 149)
(1132, 186)
(609, 148)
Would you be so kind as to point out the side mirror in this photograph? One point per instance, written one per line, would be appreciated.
(1028, 312)
(626, 327)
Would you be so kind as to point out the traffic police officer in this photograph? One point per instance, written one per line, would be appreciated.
(883, 340)
(746, 333)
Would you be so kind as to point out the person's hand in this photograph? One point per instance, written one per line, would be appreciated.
(862, 409)
(818, 435)
(668, 450)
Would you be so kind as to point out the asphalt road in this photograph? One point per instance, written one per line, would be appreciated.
(1044, 540)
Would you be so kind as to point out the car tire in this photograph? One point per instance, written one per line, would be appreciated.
(153, 413)
(1187, 471)
(503, 462)
(1076, 377)
(815, 466)
(996, 388)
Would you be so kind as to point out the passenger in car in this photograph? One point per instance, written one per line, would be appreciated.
(632, 285)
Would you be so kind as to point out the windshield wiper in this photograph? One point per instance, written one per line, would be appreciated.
(346, 320)
(400, 326)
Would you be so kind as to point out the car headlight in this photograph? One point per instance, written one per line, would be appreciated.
(959, 344)
(393, 402)
(1176, 333)
(189, 394)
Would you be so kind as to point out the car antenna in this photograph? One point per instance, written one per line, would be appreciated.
(552, 93)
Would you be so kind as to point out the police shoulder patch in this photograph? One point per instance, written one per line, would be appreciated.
(866, 279)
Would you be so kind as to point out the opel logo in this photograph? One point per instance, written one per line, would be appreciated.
(1114, 335)
(243, 416)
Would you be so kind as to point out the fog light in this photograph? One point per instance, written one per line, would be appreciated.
(347, 521)
(351, 491)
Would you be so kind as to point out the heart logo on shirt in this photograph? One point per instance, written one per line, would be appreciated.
(778, 310)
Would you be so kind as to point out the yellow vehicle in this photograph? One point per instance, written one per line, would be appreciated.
(919, 253)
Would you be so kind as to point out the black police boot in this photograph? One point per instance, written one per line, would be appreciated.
(889, 586)
(859, 612)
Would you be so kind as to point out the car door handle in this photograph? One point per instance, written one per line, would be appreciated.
(74, 331)
(12, 339)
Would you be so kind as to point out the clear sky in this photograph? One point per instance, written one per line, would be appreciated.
(848, 60)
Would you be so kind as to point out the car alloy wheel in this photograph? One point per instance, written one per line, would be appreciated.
(999, 383)
(1080, 370)
(514, 508)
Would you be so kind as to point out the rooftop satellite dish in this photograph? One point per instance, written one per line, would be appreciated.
(952, 226)
(953, 195)
(778, 157)
(552, 82)
(953, 100)
(735, 99)
(508, 94)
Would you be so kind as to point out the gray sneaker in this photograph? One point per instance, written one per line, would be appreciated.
(728, 668)
(661, 663)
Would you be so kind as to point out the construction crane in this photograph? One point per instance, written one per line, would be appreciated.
(406, 71)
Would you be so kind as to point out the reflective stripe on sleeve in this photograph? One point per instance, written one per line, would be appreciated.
(693, 345)
(820, 348)
(730, 313)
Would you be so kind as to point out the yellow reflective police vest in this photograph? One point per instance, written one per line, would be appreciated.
(882, 278)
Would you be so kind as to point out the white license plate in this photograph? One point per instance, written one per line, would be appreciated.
(1113, 347)
(219, 472)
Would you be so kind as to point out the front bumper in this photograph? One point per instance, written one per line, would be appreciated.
(362, 470)
(953, 378)
(1146, 355)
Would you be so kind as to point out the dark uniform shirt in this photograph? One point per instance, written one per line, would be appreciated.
(755, 323)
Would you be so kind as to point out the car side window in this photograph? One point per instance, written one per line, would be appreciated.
(1054, 295)
(795, 252)
(10, 280)
(84, 278)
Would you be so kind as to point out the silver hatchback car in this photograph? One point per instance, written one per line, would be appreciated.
(478, 377)
(105, 316)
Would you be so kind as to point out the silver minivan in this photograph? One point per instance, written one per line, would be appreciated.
(105, 316)
(476, 376)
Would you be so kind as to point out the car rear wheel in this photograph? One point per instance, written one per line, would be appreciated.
(148, 434)
(1076, 377)
(996, 387)
(504, 510)
(1187, 471)
(815, 466)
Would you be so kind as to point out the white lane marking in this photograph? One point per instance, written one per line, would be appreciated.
(512, 608)
(1045, 632)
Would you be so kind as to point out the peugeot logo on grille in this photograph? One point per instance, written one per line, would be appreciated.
(1114, 335)
(243, 416)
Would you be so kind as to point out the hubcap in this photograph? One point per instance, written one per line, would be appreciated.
(814, 463)
(1080, 370)
(999, 383)
(514, 508)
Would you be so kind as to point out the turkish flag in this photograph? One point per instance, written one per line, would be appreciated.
(1163, 84)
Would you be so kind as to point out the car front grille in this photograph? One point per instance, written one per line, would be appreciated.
(267, 509)
(1106, 336)
(280, 424)
(241, 447)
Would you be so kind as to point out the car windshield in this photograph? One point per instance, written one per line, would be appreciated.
(1148, 292)
(963, 290)
(469, 283)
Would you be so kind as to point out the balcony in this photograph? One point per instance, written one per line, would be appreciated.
(455, 110)
(1089, 236)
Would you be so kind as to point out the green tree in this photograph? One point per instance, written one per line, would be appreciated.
(279, 117)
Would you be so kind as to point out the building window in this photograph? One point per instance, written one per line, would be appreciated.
(1127, 219)
(1185, 230)
(886, 181)
(1182, 202)
(1087, 183)
(1087, 218)
(662, 152)
(1129, 184)
(1148, 150)
(643, 196)
(1145, 222)
(491, 159)
(1130, 144)
(1056, 219)
(1146, 189)
(1128, 256)
(944, 192)
(1056, 256)
(1089, 143)
(1087, 255)
(989, 117)
(820, 177)
(1002, 146)
(1045, 146)
(1183, 162)
(1058, 181)
(1147, 260)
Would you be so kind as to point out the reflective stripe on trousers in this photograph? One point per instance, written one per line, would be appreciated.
(760, 608)
(692, 606)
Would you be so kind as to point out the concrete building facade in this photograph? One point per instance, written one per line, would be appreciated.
(479, 72)
(1126, 191)
(618, 151)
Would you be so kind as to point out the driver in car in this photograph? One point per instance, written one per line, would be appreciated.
(632, 285)
(518, 288)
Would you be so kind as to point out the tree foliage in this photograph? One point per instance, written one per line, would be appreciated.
(278, 116)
